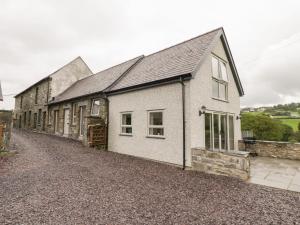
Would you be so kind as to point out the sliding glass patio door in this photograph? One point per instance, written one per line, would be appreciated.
(219, 131)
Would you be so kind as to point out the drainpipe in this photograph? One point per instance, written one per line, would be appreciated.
(107, 119)
(183, 122)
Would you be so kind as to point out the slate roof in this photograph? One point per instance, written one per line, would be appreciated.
(96, 82)
(174, 61)
(178, 60)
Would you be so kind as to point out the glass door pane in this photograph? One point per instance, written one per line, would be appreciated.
(208, 131)
(231, 133)
(223, 132)
(216, 131)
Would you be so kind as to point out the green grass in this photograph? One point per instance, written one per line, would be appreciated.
(291, 122)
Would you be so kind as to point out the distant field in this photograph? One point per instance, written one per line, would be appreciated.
(291, 122)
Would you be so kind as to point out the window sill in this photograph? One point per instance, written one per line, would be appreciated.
(221, 100)
(128, 135)
(156, 137)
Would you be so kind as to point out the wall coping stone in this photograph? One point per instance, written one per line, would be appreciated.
(244, 154)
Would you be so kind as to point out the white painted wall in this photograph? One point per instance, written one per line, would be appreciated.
(201, 95)
(66, 76)
(169, 98)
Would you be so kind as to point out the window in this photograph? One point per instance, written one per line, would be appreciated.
(220, 79)
(219, 131)
(74, 113)
(155, 126)
(95, 107)
(36, 95)
(39, 116)
(126, 123)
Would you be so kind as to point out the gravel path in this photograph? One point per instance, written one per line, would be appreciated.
(58, 181)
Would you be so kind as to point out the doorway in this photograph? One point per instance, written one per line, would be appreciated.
(44, 122)
(56, 121)
(66, 122)
(82, 111)
(219, 131)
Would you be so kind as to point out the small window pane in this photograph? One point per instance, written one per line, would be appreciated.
(156, 131)
(215, 89)
(215, 67)
(96, 107)
(127, 130)
(224, 71)
(208, 131)
(156, 118)
(216, 131)
(126, 119)
(222, 91)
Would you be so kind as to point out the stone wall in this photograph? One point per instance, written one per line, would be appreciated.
(283, 150)
(24, 113)
(233, 164)
(6, 122)
(74, 128)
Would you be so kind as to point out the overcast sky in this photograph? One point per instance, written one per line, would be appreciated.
(37, 37)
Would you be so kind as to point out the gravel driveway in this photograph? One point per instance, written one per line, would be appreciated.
(58, 181)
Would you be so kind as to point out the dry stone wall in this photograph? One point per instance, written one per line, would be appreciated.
(283, 150)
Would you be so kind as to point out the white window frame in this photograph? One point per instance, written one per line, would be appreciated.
(219, 79)
(93, 101)
(124, 125)
(74, 113)
(155, 126)
(212, 133)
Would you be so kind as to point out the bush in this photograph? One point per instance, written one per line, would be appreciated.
(266, 128)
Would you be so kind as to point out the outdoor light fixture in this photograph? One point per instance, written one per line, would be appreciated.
(238, 117)
(203, 108)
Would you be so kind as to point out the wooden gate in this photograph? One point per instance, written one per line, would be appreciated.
(97, 136)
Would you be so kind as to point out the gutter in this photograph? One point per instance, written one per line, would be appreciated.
(181, 81)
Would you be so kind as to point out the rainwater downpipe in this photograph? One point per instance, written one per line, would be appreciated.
(183, 122)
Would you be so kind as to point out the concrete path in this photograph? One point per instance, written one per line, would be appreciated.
(278, 173)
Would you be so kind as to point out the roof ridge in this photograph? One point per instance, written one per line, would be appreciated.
(219, 28)
(140, 58)
(110, 68)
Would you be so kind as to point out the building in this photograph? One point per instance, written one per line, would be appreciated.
(31, 105)
(159, 106)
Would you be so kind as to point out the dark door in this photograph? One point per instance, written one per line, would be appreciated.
(44, 121)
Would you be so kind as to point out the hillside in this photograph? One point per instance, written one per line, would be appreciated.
(288, 114)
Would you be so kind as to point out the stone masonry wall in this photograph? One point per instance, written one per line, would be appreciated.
(283, 150)
(29, 107)
(88, 119)
(233, 164)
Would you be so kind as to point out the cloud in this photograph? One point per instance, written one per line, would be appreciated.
(38, 37)
(275, 76)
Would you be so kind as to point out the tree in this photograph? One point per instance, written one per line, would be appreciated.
(266, 128)
(299, 126)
